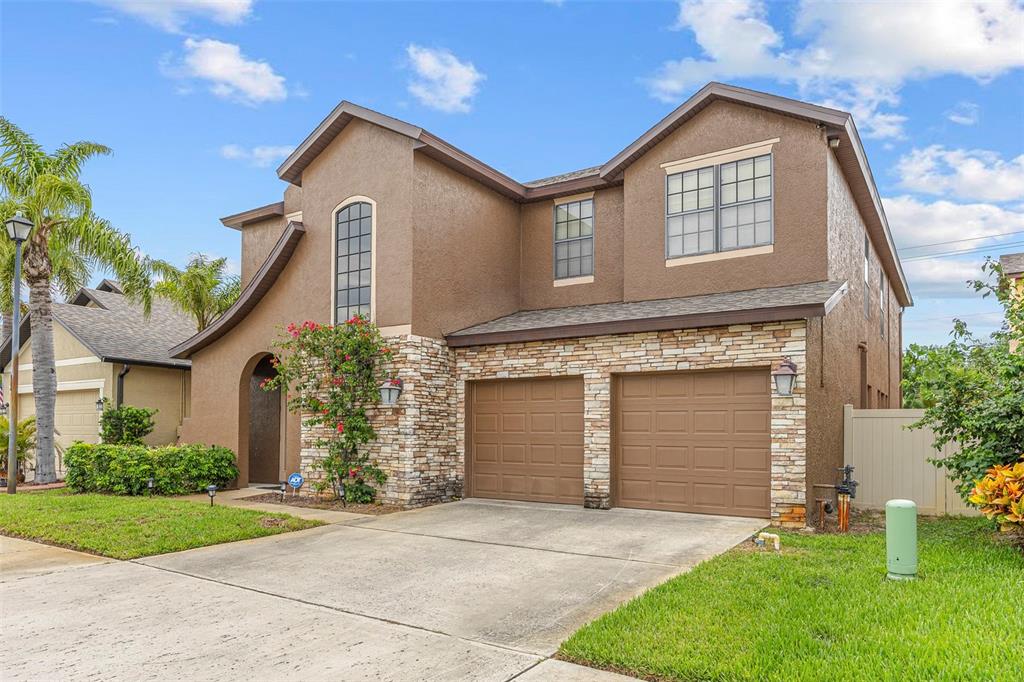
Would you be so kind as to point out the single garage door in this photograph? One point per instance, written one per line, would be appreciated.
(693, 442)
(75, 417)
(526, 440)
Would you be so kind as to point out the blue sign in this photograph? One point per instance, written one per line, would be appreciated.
(296, 480)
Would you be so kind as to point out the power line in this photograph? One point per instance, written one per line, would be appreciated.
(948, 254)
(957, 241)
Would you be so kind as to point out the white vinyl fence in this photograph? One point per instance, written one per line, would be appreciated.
(892, 462)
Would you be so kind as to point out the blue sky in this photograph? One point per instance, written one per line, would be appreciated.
(201, 99)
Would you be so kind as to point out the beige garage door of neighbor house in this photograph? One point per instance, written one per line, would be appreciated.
(526, 440)
(75, 416)
(693, 442)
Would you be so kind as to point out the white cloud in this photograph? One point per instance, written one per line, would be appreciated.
(172, 15)
(963, 173)
(443, 82)
(260, 156)
(914, 222)
(228, 72)
(856, 55)
(943, 277)
(964, 113)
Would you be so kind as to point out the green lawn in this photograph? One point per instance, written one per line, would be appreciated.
(823, 610)
(131, 527)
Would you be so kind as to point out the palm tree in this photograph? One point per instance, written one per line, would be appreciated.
(67, 242)
(203, 289)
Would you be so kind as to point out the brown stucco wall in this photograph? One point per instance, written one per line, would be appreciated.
(258, 239)
(833, 377)
(537, 279)
(466, 241)
(799, 211)
(363, 160)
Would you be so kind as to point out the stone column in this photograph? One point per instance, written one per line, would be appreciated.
(597, 439)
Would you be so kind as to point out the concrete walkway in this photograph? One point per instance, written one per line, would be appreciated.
(21, 558)
(472, 590)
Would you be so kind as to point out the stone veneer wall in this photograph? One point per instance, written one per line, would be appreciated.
(415, 438)
(422, 441)
(597, 358)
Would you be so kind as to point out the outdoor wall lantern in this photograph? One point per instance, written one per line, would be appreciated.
(3, 409)
(211, 490)
(390, 390)
(784, 376)
(99, 406)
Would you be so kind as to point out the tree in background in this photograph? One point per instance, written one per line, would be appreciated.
(67, 242)
(203, 289)
(973, 392)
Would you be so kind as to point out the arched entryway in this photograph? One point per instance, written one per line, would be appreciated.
(264, 425)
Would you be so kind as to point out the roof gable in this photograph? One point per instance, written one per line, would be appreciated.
(839, 124)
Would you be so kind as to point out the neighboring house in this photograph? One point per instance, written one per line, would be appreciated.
(1013, 267)
(104, 347)
(603, 337)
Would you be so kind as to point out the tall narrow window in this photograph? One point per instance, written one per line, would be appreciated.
(883, 298)
(574, 239)
(867, 278)
(691, 213)
(746, 199)
(354, 234)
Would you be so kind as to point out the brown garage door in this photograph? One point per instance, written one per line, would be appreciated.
(526, 440)
(694, 442)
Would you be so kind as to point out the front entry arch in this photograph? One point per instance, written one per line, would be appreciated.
(263, 417)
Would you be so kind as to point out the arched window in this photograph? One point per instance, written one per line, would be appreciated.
(353, 267)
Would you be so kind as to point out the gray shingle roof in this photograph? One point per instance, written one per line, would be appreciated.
(812, 294)
(119, 332)
(1013, 263)
(582, 173)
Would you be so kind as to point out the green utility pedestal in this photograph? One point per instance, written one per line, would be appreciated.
(901, 539)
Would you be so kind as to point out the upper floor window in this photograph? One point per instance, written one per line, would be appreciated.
(354, 234)
(719, 208)
(867, 277)
(574, 239)
(882, 301)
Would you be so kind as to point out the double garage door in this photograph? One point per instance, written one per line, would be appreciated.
(683, 441)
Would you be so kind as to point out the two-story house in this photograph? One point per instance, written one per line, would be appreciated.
(604, 337)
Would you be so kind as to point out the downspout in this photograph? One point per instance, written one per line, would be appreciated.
(120, 384)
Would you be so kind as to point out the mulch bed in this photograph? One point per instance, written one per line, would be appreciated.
(318, 503)
(30, 487)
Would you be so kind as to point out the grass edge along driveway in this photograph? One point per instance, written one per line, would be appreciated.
(133, 527)
(822, 609)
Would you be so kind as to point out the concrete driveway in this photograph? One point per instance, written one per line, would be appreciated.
(473, 590)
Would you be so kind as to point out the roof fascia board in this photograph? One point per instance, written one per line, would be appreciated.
(689, 321)
(251, 295)
(240, 220)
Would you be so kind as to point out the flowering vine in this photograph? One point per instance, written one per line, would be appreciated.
(332, 374)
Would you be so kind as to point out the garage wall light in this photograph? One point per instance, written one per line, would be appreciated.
(390, 390)
(785, 376)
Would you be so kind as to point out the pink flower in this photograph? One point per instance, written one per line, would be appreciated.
(348, 357)
(396, 382)
(341, 428)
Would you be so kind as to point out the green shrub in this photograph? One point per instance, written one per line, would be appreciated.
(126, 425)
(125, 469)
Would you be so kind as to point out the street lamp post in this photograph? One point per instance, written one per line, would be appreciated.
(18, 228)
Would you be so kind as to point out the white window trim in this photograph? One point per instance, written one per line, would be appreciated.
(724, 156)
(80, 385)
(354, 199)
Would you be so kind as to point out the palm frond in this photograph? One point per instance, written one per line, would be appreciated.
(68, 160)
(19, 151)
